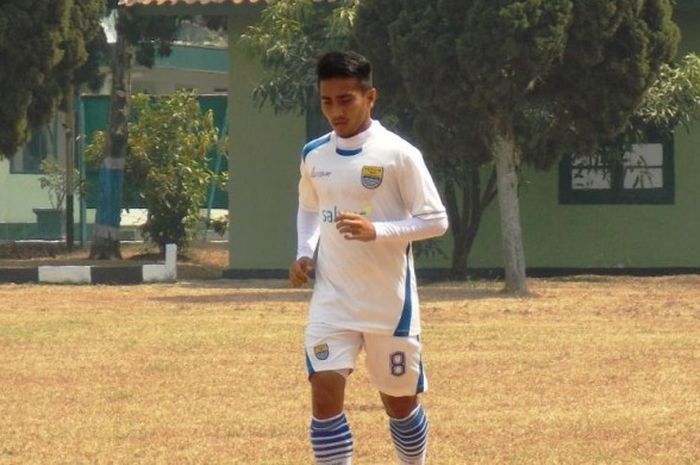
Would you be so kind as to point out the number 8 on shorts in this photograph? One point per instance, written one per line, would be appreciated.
(398, 364)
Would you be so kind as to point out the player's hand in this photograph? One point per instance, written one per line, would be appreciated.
(299, 271)
(355, 227)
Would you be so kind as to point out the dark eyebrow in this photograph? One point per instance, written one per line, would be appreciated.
(341, 96)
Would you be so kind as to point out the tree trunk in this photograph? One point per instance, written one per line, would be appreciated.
(465, 221)
(460, 256)
(105, 244)
(457, 218)
(507, 159)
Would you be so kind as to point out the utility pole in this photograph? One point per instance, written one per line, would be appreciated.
(70, 167)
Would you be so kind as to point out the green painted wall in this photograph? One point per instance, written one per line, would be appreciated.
(264, 155)
(607, 236)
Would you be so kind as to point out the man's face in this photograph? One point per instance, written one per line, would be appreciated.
(346, 105)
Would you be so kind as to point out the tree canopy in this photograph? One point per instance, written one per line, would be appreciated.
(288, 38)
(674, 98)
(436, 116)
(43, 50)
(529, 62)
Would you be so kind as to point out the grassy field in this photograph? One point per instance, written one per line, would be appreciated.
(587, 370)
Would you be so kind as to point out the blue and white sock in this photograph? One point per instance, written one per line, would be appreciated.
(331, 440)
(410, 437)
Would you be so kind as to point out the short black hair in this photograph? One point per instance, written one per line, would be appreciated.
(345, 64)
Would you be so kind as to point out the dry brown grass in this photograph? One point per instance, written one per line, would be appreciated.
(586, 371)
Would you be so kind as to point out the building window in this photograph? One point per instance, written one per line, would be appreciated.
(41, 145)
(644, 175)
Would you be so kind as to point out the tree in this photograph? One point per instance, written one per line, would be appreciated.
(672, 101)
(81, 30)
(26, 62)
(51, 69)
(529, 79)
(43, 50)
(169, 140)
(57, 182)
(452, 145)
(138, 38)
(289, 37)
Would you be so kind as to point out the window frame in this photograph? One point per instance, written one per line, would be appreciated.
(617, 194)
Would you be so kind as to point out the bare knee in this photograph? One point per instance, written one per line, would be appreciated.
(327, 394)
(399, 407)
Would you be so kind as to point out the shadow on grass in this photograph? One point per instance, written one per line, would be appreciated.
(271, 290)
(581, 278)
(466, 293)
(238, 297)
(258, 284)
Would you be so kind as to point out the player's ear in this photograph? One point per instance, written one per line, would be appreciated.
(372, 96)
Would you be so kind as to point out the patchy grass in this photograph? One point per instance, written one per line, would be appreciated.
(585, 371)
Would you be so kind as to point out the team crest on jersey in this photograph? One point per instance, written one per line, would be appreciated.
(372, 176)
(321, 351)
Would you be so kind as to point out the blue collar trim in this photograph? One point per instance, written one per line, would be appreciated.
(347, 153)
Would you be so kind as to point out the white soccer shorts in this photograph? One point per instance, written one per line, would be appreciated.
(394, 363)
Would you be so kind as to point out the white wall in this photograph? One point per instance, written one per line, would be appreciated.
(21, 192)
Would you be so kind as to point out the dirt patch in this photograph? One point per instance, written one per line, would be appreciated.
(28, 250)
(201, 261)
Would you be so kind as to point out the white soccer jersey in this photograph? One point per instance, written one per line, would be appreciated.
(366, 286)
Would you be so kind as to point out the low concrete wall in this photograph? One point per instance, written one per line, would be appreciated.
(68, 274)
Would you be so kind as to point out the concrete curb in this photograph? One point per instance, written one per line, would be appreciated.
(96, 274)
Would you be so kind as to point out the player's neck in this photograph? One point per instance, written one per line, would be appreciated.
(359, 138)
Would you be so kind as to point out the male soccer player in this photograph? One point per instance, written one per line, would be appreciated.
(365, 194)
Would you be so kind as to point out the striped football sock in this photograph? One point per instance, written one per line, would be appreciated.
(410, 437)
(331, 440)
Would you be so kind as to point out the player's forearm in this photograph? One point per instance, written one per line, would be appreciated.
(308, 229)
(411, 229)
